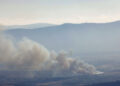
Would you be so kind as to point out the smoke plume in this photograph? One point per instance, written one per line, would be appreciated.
(28, 55)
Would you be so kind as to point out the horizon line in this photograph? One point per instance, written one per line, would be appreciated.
(61, 23)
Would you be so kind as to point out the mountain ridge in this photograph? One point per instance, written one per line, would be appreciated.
(29, 26)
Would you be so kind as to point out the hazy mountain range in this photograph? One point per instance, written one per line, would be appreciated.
(84, 38)
(97, 43)
(29, 26)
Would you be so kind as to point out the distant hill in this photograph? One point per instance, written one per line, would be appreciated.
(97, 43)
(84, 38)
(29, 26)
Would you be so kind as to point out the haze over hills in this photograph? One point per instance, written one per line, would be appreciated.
(59, 43)
(75, 37)
(92, 41)
(29, 26)
(35, 65)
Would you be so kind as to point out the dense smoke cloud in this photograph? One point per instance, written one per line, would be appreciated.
(28, 55)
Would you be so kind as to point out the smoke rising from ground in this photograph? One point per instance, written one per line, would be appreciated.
(28, 55)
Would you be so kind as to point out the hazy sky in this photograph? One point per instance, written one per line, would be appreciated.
(58, 11)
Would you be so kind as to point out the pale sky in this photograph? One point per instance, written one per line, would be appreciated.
(18, 12)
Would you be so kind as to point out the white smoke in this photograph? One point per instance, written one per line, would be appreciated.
(28, 55)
